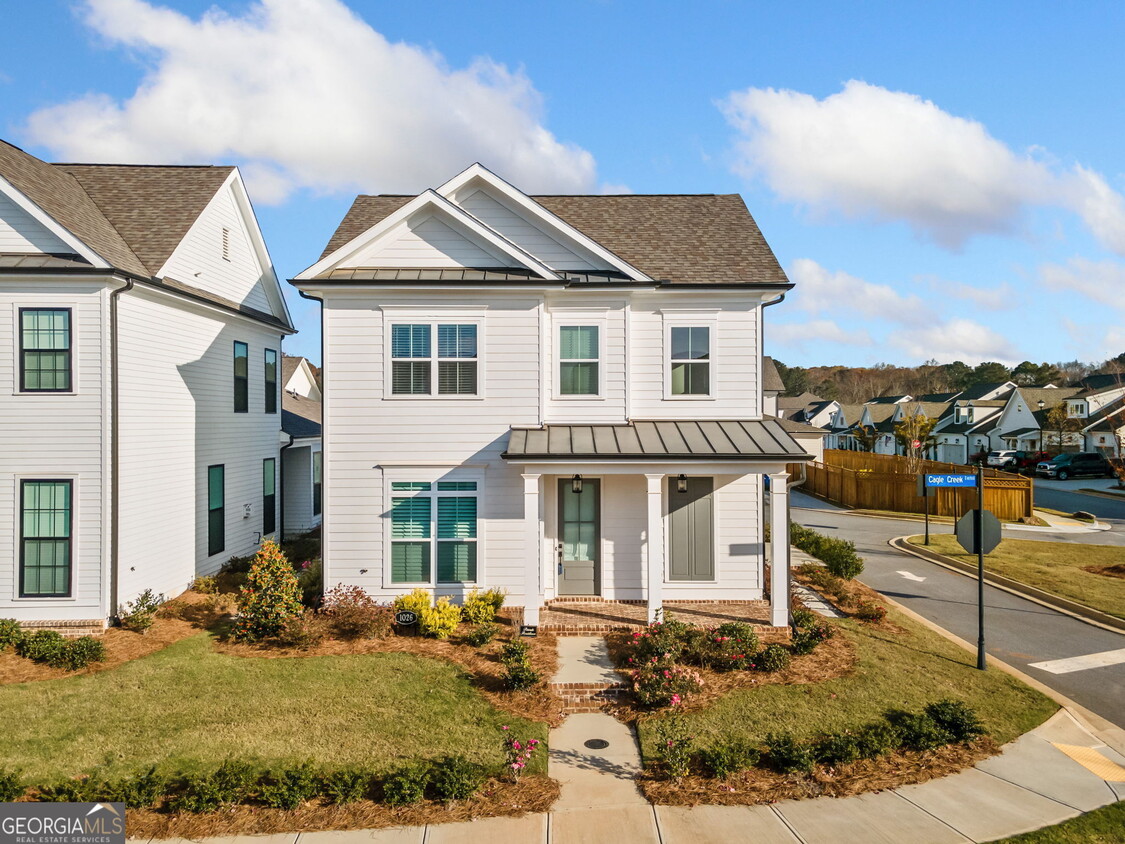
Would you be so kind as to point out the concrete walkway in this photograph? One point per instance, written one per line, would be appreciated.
(1053, 773)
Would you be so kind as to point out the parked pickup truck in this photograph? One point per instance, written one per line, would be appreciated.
(1072, 465)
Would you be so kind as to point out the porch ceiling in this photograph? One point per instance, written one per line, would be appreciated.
(752, 439)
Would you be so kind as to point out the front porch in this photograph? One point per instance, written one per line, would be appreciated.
(568, 616)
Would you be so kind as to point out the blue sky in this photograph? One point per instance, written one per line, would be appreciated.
(941, 180)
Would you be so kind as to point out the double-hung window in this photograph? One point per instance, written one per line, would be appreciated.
(415, 369)
(45, 358)
(578, 360)
(241, 377)
(433, 521)
(690, 363)
(216, 510)
(46, 520)
(317, 479)
(269, 496)
(271, 381)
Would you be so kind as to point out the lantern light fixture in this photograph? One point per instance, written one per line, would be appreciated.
(576, 484)
(681, 483)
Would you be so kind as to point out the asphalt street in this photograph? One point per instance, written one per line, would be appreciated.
(1017, 631)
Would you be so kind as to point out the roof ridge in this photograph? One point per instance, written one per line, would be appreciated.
(154, 166)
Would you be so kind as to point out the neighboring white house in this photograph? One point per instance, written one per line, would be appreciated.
(141, 415)
(772, 386)
(1021, 422)
(555, 395)
(302, 469)
(965, 429)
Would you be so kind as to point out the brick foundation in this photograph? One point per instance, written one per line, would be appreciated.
(71, 629)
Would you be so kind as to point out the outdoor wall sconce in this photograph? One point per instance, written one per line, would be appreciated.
(681, 483)
(576, 484)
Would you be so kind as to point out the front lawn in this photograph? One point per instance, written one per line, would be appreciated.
(1101, 826)
(189, 707)
(1056, 567)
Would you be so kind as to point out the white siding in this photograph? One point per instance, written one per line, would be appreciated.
(610, 318)
(56, 437)
(177, 418)
(428, 242)
(198, 260)
(519, 230)
(297, 487)
(20, 232)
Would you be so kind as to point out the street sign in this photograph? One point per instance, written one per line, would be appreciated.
(967, 536)
(957, 481)
(915, 444)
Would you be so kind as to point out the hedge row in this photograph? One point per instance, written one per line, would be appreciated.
(838, 555)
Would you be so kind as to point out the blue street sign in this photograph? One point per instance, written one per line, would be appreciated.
(951, 480)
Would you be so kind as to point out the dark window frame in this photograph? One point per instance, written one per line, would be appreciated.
(214, 547)
(69, 539)
(241, 382)
(69, 351)
(271, 384)
(269, 499)
(317, 485)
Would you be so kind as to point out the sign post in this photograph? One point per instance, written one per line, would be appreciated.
(981, 664)
(928, 481)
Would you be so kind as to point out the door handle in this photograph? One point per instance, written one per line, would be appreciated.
(559, 551)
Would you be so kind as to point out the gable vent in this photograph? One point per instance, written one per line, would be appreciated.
(226, 243)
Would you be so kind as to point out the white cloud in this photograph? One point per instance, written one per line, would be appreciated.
(307, 95)
(1102, 281)
(868, 152)
(955, 339)
(1000, 298)
(801, 335)
(821, 291)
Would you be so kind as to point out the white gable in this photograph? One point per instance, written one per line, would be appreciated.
(524, 233)
(302, 382)
(21, 232)
(426, 241)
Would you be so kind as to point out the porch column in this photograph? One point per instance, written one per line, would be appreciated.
(779, 549)
(533, 551)
(654, 544)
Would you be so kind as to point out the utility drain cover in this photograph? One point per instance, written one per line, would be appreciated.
(597, 744)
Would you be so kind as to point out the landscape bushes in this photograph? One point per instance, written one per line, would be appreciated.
(53, 649)
(270, 598)
(518, 674)
(838, 555)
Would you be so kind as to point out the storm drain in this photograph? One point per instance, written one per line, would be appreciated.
(597, 744)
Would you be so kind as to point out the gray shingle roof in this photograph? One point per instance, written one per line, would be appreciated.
(682, 440)
(300, 416)
(684, 239)
(771, 378)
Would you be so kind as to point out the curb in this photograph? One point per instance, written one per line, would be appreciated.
(1071, 608)
(1101, 493)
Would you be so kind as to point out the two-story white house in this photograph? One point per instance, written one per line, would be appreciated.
(560, 396)
(140, 400)
(301, 456)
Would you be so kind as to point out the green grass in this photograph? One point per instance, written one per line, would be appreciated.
(895, 670)
(1054, 567)
(188, 707)
(1101, 826)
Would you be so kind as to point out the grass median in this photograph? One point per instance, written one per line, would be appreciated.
(1066, 569)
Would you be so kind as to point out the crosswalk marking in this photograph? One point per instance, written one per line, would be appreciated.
(1081, 663)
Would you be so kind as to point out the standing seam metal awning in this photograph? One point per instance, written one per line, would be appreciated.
(680, 440)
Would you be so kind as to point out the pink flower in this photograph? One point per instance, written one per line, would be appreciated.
(516, 745)
(504, 727)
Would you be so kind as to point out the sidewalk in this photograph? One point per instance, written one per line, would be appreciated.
(1053, 773)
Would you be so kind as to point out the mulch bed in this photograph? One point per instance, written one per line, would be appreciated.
(497, 799)
(481, 664)
(176, 620)
(759, 785)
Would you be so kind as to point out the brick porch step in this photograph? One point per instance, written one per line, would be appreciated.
(587, 697)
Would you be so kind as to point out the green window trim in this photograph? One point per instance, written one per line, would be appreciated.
(216, 509)
(579, 360)
(241, 373)
(46, 538)
(433, 532)
(269, 496)
(690, 360)
(46, 359)
(422, 367)
(271, 380)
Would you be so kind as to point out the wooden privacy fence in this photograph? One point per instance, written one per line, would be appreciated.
(883, 482)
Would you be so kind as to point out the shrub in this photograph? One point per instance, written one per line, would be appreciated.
(205, 584)
(137, 615)
(440, 621)
(79, 653)
(674, 745)
(787, 756)
(918, 731)
(870, 611)
(838, 555)
(517, 650)
(209, 792)
(771, 658)
(416, 602)
(729, 757)
(406, 785)
(355, 615)
(41, 646)
(519, 676)
(223, 603)
(669, 637)
(139, 792)
(957, 718)
(10, 635)
(302, 631)
(270, 597)
(726, 647)
(805, 641)
(838, 748)
(496, 597)
(346, 785)
(878, 739)
(803, 617)
(661, 682)
(478, 608)
(456, 778)
(310, 577)
(237, 565)
(290, 787)
(11, 785)
(517, 753)
(481, 635)
(80, 790)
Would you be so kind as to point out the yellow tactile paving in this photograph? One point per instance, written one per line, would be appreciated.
(1093, 761)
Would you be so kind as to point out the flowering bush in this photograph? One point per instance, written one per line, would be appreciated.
(270, 597)
(661, 682)
(440, 620)
(674, 745)
(729, 646)
(355, 615)
(665, 638)
(771, 658)
(870, 611)
(805, 641)
(518, 753)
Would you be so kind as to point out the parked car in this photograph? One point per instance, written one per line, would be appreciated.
(1071, 465)
(1028, 460)
(1000, 459)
